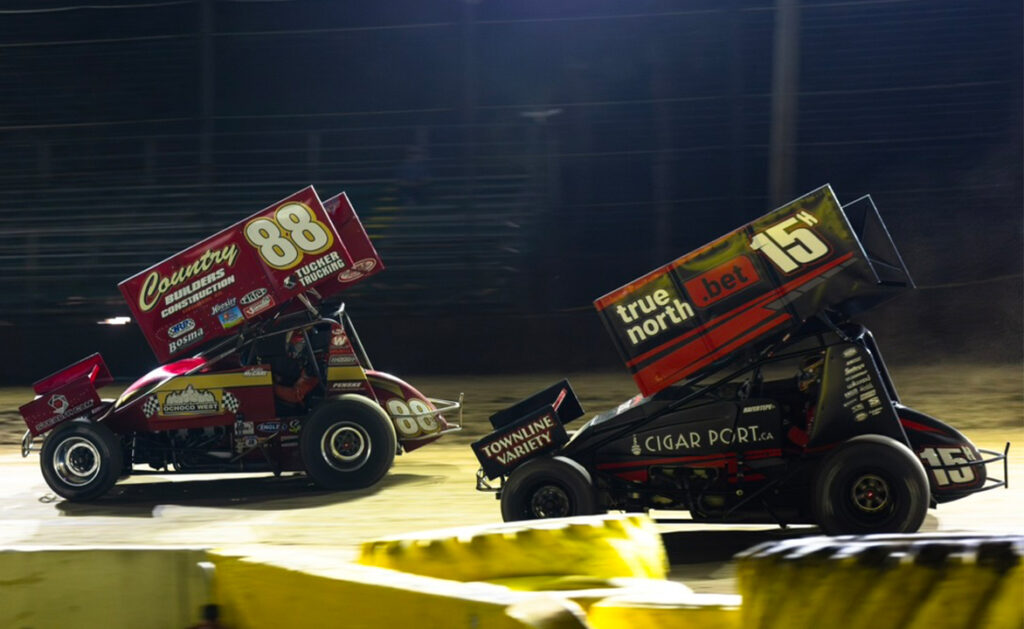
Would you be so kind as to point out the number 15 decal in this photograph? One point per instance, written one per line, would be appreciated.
(951, 465)
(787, 246)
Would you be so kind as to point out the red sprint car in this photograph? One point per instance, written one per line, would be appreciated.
(255, 375)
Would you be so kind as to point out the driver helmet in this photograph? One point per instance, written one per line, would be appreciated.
(810, 372)
(295, 344)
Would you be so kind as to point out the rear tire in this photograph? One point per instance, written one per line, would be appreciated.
(348, 443)
(81, 460)
(870, 484)
(548, 488)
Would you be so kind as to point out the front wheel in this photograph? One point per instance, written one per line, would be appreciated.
(548, 488)
(870, 484)
(81, 460)
(348, 443)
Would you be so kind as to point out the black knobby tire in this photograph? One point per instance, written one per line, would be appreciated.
(81, 460)
(548, 487)
(348, 443)
(870, 484)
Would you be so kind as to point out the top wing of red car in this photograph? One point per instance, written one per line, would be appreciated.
(751, 286)
(249, 270)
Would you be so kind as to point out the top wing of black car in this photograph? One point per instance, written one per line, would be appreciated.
(752, 286)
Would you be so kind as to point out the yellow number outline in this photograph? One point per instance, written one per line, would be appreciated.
(287, 235)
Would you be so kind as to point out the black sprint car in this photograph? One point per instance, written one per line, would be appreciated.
(762, 400)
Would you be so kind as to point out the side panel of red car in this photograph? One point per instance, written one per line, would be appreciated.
(409, 409)
(200, 400)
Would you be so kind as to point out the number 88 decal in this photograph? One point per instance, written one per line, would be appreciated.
(292, 232)
(413, 417)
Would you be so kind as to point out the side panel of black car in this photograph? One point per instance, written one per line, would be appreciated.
(853, 399)
(697, 432)
(954, 464)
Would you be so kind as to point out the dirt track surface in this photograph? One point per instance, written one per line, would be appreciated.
(434, 487)
(427, 489)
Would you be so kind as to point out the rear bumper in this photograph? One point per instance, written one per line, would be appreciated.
(992, 465)
(989, 457)
(484, 484)
(28, 443)
(446, 408)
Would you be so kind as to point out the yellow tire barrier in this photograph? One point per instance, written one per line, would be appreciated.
(102, 587)
(256, 594)
(586, 591)
(644, 611)
(877, 582)
(599, 547)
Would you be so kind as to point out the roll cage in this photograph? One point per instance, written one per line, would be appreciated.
(244, 344)
(709, 382)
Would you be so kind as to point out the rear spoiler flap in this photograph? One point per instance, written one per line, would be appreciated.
(66, 394)
(527, 429)
(890, 273)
